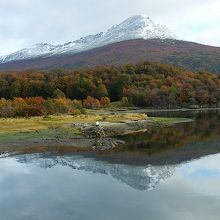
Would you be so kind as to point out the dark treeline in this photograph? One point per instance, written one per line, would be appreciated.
(146, 84)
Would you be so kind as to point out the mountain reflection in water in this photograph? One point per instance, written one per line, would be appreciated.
(138, 177)
(171, 173)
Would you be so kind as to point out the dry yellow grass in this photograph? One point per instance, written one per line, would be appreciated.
(41, 123)
(125, 117)
(31, 124)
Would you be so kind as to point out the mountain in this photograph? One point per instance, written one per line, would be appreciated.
(137, 39)
(189, 55)
(135, 27)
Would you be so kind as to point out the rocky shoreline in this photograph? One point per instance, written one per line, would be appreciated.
(90, 137)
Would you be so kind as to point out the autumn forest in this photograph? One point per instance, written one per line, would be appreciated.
(153, 85)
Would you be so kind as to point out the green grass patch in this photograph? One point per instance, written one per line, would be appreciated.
(169, 120)
(53, 132)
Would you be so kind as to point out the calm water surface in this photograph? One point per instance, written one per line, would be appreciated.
(170, 174)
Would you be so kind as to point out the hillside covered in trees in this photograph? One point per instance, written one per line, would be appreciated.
(145, 85)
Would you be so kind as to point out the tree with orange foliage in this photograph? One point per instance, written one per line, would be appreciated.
(91, 102)
(105, 102)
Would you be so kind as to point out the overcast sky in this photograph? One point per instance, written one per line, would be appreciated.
(26, 22)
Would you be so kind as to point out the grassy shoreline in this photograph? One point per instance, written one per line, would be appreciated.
(66, 130)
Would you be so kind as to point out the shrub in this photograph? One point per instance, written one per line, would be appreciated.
(124, 102)
(29, 111)
(105, 102)
(75, 112)
(91, 103)
(7, 111)
(37, 106)
(77, 103)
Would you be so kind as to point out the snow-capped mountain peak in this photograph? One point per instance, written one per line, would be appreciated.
(135, 27)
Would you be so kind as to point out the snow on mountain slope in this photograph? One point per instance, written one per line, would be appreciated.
(135, 27)
(26, 53)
